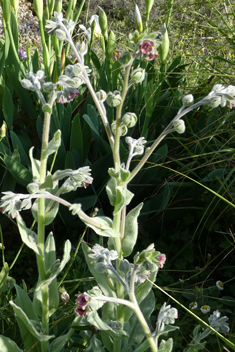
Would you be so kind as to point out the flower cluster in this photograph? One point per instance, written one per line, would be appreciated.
(221, 96)
(58, 25)
(150, 259)
(147, 50)
(81, 305)
(22, 54)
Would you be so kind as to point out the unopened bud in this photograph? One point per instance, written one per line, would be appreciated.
(148, 5)
(38, 6)
(60, 34)
(188, 100)
(58, 6)
(179, 126)
(101, 95)
(123, 129)
(138, 20)
(164, 47)
(103, 22)
(6, 11)
(137, 75)
(129, 119)
(114, 98)
(124, 266)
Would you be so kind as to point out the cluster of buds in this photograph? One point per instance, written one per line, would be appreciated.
(88, 302)
(150, 259)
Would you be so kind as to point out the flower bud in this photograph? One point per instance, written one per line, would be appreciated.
(27, 84)
(60, 34)
(215, 102)
(15, 5)
(110, 45)
(137, 75)
(123, 128)
(217, 87)
(138, 20)
(33, 187)
(125, 58)
(6, 11)
(114, 98)
(101, 95)
(58, 6)
(164, 47)
(188, 100)
(148, 5)
(38, 6)
(179, 126)
(103, 22)
(129, 119)
(124, 266)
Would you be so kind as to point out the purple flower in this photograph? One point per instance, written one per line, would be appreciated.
(22, 54)
(80, 312)
(82, 301)
(146, 46)
(151, 56)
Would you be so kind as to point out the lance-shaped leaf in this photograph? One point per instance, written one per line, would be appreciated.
(94, 319)
(7, 345)
(53, 299)
(131, 231)
(3, 276)
(28, 236)
(54, 144)
(33, 326)
(57, 267)
(101, 225)
(35, 166)
(59, 342)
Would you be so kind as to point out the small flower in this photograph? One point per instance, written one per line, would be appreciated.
(193, 305)
(162, 259)
(82, 300)
(167, 315)
(80, 312)
(219, 323)
(22, 54)
(220, 285)
(100, 252)
(205, 309)
(146, 47)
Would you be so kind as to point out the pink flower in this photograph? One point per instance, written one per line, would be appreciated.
(82, 301)
(80, 312)
(151, 56)
(146, 47)
(162, 259)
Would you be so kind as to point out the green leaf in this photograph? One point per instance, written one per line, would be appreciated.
(59, 342)
(111, 190)
(8, 107)
(18, 146)
(110, 45)
(28, 236)
(18, 171)
(123, 197)
(51, 210)
(76, 139)
(56, 269)
(7, 345)
(3, 276)
(131, 230)
(54, 143)
(35, 166)
(53, 299)
(105, 229)
(33, 326)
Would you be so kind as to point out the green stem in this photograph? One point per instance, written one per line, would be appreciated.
(46, 56)
(41, 223)
(140, 315)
